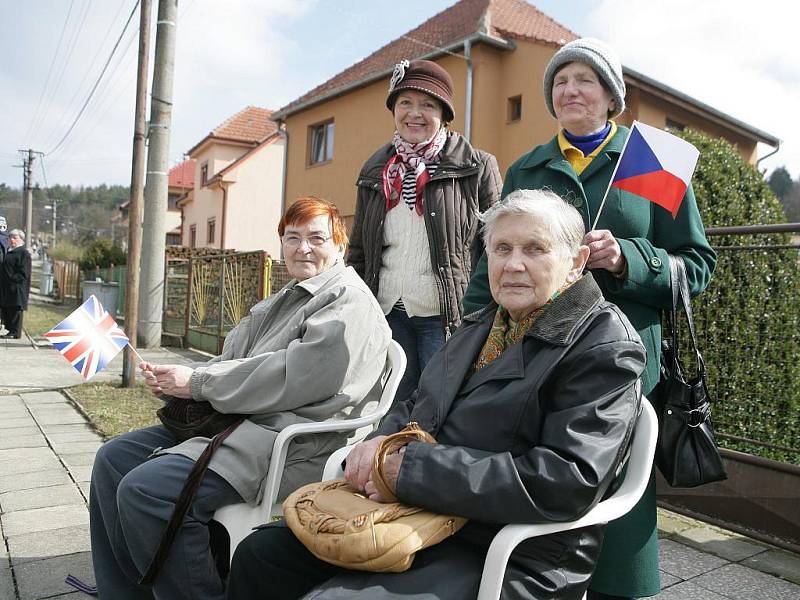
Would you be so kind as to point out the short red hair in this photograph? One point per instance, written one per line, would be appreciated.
(309, 207)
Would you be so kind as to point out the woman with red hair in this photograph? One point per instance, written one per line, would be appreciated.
(312, 351)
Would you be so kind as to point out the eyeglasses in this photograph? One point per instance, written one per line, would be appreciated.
(294, 241)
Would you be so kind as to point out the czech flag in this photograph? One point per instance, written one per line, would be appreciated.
(89, 338)
(656, 165)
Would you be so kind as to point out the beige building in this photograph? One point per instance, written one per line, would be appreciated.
(237, 198)
(496, 51)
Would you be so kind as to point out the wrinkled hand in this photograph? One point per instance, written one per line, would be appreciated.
(604, 251)
(173, 380)
(391, 470)
(358, 467)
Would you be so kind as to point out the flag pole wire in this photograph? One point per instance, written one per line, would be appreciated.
(611, 181)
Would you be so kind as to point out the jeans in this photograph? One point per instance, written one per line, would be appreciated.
(420, 338)
(131, 500)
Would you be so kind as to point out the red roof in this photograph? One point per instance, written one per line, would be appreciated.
(250, 126)
(501, 19)
(182, 175)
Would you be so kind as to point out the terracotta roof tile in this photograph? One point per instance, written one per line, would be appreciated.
(497, 18)
(182, 175)
(251, 124)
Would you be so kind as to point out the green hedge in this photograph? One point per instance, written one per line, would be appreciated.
(749, 317)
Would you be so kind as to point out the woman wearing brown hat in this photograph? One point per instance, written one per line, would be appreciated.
(584, 90)
(414, 238)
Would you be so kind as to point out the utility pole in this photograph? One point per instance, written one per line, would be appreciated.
(27, 201)
(155, 189)
(136, 199)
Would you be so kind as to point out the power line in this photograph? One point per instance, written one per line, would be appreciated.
(94, 88)
(50, 70)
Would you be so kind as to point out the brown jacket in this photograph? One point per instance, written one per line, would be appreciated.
(466, 183)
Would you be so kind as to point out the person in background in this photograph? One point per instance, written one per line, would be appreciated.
(414, 238)
(584, 90)
(15, 284)
(315, 350)
(3, 249)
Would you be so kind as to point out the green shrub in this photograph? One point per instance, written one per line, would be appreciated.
(749, 317)
(102, 253)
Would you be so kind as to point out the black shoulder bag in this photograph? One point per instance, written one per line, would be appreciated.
(687, 453)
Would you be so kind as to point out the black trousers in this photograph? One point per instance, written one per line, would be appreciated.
(12, 319)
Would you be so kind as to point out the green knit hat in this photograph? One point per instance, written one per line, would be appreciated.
(598, 55)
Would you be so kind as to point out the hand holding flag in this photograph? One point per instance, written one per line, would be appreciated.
(88, 338)
(655, 165)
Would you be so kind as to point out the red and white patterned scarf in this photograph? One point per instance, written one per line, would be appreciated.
(410, 156)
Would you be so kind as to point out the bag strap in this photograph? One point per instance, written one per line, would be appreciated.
(389, 445)
(682, 297)
(184, 501)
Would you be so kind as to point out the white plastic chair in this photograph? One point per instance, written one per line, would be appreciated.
(240, 519)
(637, 476)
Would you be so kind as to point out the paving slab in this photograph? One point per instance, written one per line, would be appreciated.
(18, 432)
(777, 562)
(47, 544)
(84, 487)
(730, 547)
(6, 583)
(688, 591)
(81, 459)
(50, 397)
(17, 454)
(67, 493)
(81, 473)
(35, 479)
(29, 465)
(44, 519)
(79, 435)
(51, 428)
(60, 417)
(45, 578)
(34, 440)
(76, 447)
(685, 562)
(668, 580)
(11, 400)
(743, 583)
(15, 422)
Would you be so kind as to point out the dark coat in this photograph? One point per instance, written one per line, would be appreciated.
(647, 234)
(465, 183)
(538, 435)
(15, 278)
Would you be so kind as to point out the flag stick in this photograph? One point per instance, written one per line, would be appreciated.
(610, 181)
(139, 356)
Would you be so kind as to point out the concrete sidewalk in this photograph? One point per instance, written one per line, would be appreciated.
(47, 449)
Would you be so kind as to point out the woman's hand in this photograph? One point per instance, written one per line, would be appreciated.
(604, 251)
(358, 467)
(391, 470)
(173, 380)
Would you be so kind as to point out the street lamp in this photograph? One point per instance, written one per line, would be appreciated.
(54, 208)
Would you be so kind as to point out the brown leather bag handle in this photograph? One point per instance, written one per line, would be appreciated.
(391, 444)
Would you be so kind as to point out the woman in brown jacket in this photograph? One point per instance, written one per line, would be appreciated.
(414, 237)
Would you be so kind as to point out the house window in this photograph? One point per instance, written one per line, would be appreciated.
(204, 173)
(676, 125)
(173, 239)
(212, 226)
(514, 108)
(193, 236)
(320, 143)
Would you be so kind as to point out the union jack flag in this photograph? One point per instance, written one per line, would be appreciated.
(89, 338)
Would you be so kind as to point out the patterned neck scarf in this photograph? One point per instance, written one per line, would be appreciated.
(505, 332)
(410, 156)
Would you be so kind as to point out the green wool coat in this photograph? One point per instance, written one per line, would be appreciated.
(647, 234)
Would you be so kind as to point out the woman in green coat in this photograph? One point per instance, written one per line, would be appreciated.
(584, 90)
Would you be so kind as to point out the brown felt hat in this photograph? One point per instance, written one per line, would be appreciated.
(423, 76)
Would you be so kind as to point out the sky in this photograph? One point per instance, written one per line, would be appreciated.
(738, 56)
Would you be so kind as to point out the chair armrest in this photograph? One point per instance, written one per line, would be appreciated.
(333, 468)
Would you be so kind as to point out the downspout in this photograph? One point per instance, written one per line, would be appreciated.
(778, 147)
(468, 102)
(285, 134)
(224, 214)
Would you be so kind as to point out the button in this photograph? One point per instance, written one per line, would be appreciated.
(433, 214)
(577, 202)
(655, 262)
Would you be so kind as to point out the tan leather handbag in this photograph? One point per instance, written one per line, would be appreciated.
(343, 527)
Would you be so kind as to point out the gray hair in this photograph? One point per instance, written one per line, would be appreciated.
(563, 221)
(17, 232)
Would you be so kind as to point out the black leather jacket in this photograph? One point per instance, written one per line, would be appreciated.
(538, 435)
(466, 183)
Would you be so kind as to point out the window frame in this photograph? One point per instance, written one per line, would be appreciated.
(211, 230)
(193, 235)
(328, 129)
(514, 107)
(204, 173)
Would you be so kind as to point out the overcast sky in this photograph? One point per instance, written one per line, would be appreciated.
(739, 56)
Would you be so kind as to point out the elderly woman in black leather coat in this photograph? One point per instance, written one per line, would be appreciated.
(532, 401)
